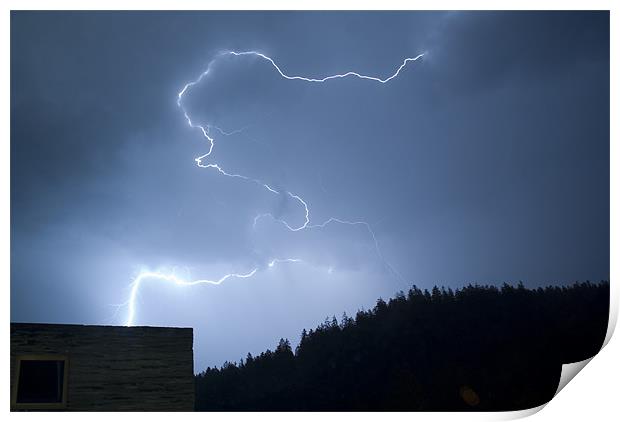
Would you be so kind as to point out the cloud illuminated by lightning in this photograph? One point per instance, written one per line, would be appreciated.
(206, 130)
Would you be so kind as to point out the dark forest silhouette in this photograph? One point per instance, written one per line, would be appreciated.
(476, 348)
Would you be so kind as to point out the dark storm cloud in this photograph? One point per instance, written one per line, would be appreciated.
(487, 161)
(479, 50)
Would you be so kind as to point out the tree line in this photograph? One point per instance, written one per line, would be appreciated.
(483, 348)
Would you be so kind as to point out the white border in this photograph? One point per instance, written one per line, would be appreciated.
(309, 5)
(592, 395)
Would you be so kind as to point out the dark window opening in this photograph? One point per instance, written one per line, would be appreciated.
(40, 381)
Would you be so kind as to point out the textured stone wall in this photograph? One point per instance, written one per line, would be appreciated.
(115, 368)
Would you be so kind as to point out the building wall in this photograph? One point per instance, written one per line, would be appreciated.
(115, 368)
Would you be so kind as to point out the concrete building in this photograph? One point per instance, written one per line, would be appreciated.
(101, 368)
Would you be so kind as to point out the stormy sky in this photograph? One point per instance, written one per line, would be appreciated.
(485, 161)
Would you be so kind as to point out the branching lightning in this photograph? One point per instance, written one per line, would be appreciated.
(327, 78)
(173, 278)
(207, 132)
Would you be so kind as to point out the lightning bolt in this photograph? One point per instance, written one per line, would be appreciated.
(207, 133)
(174, 279)
(327, 78)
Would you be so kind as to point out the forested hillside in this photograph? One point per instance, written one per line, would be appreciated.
(476, 348)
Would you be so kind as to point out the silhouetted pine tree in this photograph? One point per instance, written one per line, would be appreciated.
(479, 348)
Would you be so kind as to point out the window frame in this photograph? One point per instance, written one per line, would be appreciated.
(42, 357)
